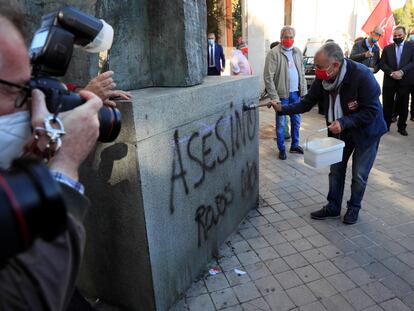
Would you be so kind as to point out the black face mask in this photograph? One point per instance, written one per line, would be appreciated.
(398, 41)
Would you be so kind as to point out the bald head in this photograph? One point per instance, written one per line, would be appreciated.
(14, 63)
(13, 52)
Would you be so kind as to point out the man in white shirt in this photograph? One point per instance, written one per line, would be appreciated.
(239, 64)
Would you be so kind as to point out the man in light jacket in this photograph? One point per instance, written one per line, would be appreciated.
(284, 77)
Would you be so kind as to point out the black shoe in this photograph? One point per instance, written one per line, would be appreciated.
(351, 216)
(282, 155)
(403, 132)
(324, 213)
(287, 137)
(412, 119)
(297, 149)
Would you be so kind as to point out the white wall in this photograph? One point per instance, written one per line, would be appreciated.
(264, 20)
(328, 19)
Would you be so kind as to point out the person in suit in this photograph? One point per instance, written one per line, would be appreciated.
(412, 87)
(397, 62)
(350, 95)
(367, 52)
(216, 60)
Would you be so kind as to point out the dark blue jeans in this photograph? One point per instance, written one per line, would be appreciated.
(362, 162)
(294, 123)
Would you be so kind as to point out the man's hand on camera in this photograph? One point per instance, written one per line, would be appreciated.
(81, 127)
(277, 106)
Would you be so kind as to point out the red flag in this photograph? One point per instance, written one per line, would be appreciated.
(381, 16)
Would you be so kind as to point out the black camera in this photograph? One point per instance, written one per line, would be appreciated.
(50, 54)
(31, 206)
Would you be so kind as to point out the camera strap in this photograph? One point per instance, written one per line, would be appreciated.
(53, 130)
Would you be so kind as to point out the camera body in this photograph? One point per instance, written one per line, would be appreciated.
(32, 207)
(50, 55)
(59, 99)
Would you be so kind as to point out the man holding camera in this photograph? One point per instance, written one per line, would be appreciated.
(44, 276)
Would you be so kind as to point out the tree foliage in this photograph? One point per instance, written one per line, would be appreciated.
(215, 15)
(237, 19)
(405, 16)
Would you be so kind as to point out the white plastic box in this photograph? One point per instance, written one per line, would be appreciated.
(323, 152)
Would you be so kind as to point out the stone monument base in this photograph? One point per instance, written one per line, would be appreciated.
(165, 196)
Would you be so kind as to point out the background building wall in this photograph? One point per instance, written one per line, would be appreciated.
(328, 19)
(264, 21)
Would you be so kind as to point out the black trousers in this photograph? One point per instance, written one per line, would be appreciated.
(412, 101)
(399, 96)
(212, 71)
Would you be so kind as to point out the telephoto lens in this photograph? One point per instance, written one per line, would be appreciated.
(59, 98)
(109, 124)
(31, 206)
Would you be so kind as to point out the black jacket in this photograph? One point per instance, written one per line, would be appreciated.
(388, 64)
(358, 54)
(44, 276)
(218, 55)
(366, 122)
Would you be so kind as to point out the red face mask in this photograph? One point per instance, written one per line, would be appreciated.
(322, 74)
(287, 43)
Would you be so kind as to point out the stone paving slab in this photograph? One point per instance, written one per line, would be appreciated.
(296, 263)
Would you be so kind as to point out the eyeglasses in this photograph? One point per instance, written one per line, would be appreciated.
(23, 90)
(377, 34)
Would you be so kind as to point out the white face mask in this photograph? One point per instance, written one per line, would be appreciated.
(14, 132)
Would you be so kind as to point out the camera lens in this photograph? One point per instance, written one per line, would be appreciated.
(59, 98)
(109, 124)
(31, 206)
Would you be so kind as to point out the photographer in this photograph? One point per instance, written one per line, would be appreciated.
(43, 277)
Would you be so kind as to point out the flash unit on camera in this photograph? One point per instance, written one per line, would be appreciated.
(52, 45)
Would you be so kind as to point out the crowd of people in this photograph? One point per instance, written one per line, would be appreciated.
(44, 276)
(350, 97)
(396, 61)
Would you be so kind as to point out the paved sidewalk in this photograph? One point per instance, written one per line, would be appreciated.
(296, 263)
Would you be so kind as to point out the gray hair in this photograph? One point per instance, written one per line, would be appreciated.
(285, 29)
(333, 51)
